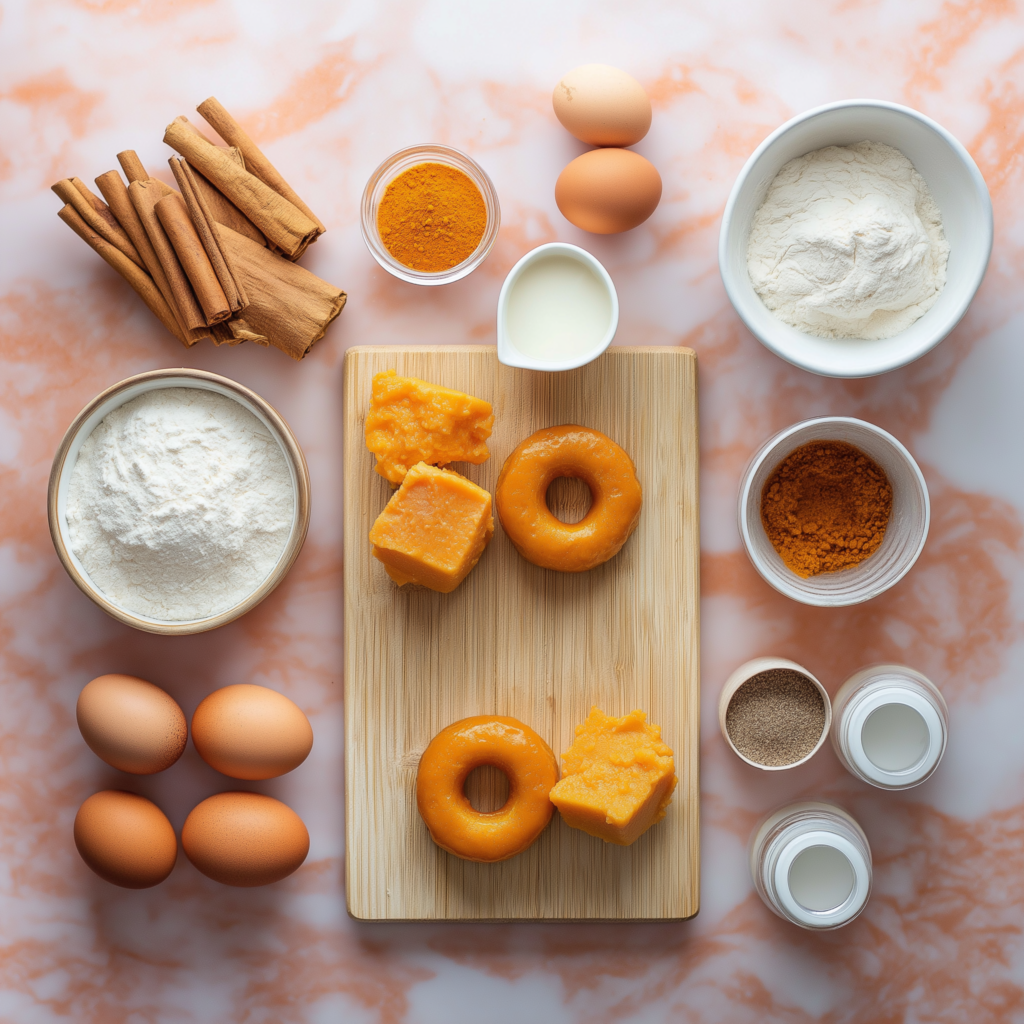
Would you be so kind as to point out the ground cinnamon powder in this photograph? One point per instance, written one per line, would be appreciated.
(826, 507)
(431, 217)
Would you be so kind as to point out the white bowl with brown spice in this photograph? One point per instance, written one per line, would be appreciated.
(904, 534)
(774, 714)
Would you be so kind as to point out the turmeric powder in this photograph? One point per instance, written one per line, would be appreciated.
(431, 217)
(826, 507)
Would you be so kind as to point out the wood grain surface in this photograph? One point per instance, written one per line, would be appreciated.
(538, 645)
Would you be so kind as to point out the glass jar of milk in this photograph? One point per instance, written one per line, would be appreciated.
(889, 726)
(811, 864)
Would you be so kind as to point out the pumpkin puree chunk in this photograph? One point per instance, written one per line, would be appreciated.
(411, 421)
(617, 777)
(434, 529)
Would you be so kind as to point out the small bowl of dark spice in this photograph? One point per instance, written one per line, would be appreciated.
(429, 215)
(774, 714)
(833, 511)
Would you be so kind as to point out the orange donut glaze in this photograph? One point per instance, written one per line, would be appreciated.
(521, 498)
(453, 753)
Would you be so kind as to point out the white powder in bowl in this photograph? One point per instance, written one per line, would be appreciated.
(180, 504)
(848, 243)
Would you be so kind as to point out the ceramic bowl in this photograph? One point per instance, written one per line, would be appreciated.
(390, 169)
(117, 395)
(509, 354)
(904, 536)
(956, 185)
(746, 672)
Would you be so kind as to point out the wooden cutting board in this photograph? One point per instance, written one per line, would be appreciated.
(517, 640)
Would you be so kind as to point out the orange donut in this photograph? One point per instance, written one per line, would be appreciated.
(453, 753)
(521, 498)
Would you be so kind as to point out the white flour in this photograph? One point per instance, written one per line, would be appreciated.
(848, 243)
(180, 504)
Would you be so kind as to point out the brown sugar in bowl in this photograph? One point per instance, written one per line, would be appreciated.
(905, 533)
(783, 732)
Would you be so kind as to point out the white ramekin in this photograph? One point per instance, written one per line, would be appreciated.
(746, 672)
(904, 536)
(509, 354)
(956, 185)
(117, 395)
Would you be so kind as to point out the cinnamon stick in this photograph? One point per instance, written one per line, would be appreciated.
(284, 224)
(234, 332)
(97, 215)
(115, 192)
(133, 168)
(145, 194)
(138, 279)
(255, 160)
(242, 330)
(175, 221)
(287, 304)
(135, 171)
(221, 209)
(202, 222)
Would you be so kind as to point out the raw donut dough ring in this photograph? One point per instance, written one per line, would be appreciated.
(568, 451)
(452, 754)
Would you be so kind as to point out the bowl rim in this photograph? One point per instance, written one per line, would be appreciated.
(778, 582)
(939, 335)
(509, 354)
(453, 158)
(292, 451)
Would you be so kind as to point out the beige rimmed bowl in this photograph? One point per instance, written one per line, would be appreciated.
(117, 395)
(746, 672)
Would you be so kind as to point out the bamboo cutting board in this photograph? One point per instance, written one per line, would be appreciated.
(537, 645)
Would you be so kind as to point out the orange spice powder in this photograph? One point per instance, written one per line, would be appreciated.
(431, 217)
(826, 507)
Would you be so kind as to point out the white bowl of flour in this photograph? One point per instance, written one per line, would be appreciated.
(849, 247)
(178, 500)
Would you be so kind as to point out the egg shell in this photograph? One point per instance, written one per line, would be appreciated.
(608, 190)
(602, 106)
(251, 732)
(244, 839)
(126, 839)
(131, 724)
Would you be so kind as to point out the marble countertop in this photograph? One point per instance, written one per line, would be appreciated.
(329, 89)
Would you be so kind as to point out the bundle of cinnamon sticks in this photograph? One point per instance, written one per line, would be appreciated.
(215, 258)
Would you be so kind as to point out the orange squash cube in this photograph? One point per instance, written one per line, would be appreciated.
(434, 529)
(411, 421)
(617, 777)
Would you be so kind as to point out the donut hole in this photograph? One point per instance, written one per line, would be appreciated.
(569, 499)
(486, 789)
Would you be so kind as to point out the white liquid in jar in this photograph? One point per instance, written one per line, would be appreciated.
(895, 737)
(821, 878)
(557, 309)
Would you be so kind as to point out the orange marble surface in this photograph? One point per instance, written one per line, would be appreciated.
(329, 89)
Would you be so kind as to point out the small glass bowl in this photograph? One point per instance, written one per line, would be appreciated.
(390, 169)
(904, 536)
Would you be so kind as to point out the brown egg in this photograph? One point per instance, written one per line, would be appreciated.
(602, 105)
(608, 190)
(133, 725)
(244, 839)
(126, 839)
(251, 732)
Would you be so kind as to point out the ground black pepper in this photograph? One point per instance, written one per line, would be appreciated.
(776, 717)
